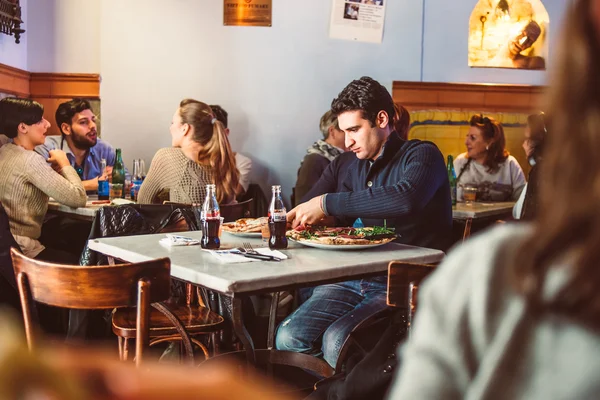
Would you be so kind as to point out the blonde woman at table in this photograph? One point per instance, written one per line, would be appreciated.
(200, 155)
(27, 180)
(515, 313)
(487, 164)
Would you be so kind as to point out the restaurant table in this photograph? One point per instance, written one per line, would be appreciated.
(305, 267)
(86, 213)
(480, 211)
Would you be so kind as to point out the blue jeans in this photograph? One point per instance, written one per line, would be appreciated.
(321, 325)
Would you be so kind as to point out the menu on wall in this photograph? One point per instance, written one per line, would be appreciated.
(247, 12)
(359, 20)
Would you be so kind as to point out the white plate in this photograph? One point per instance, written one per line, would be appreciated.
(244, 234)
(338, 246)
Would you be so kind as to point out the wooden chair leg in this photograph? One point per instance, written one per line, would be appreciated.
(467, 231)
(125, 349)
(120, 339)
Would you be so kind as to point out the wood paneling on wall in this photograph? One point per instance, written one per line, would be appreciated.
(466, 97)
(14, 81)
(48, 88)
(53, 89)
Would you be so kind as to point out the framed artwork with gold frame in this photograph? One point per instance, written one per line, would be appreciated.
(509, 34)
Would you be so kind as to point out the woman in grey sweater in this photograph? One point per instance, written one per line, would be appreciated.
(27, 180)
(515, 313)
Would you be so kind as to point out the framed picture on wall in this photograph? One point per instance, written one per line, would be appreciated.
(509, 34)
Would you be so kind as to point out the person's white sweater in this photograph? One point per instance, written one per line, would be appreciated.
(505, 184)
(475, 338)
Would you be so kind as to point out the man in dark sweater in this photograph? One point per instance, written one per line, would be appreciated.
(319, 155)
(388, 180)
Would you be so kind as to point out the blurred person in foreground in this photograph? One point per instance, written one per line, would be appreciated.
(200, 155)
(515, 313)
(319, 155)
(60, 372)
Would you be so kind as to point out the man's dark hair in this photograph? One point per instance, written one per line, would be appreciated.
(366, 95)
(14, 110)
(67, 110)
(220, 114)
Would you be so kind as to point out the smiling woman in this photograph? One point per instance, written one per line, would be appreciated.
(496, 175)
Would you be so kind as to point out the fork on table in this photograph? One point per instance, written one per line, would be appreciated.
(250, 250)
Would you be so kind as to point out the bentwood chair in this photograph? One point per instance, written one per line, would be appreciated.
(232, 212)
(197, 319)
(139, 285)
(403, 281)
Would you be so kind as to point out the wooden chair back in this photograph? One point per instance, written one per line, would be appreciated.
(403, 281)
(93, 287)
(231, 212)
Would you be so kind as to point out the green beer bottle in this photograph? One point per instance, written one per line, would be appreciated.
(452, 179)
(118, 177)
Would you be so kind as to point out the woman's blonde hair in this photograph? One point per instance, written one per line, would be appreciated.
(216, 150)
(568, 221)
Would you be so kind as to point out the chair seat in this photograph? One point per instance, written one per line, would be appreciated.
(196, 320)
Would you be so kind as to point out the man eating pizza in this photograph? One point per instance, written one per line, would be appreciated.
(385, 181)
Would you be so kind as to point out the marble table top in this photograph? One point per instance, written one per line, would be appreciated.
(87, 212)
(305, 265)
(481, 210)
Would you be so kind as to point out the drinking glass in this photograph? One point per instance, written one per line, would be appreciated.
(116, 190)
(470, 193)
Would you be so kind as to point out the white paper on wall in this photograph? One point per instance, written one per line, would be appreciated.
(358, 20)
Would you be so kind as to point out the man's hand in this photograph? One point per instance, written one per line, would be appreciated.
(528, 146)
(58, 160)
(306, 213)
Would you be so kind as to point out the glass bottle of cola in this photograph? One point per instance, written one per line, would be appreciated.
(210, 219)
(277, 220)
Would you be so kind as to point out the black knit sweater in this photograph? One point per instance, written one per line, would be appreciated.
(407, 186)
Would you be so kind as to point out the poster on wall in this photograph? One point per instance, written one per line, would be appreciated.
(509, 34)
(358, 20)
(247, 12)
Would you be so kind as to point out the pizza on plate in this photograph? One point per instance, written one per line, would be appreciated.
(245, 225)
(342, 236)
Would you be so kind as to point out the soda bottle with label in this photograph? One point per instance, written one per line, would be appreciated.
(103, 187)
(277, 220)
(452, 179)
(210, 220)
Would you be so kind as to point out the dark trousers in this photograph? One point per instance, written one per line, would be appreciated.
(66, 235)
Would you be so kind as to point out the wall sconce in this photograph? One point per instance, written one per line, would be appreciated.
(10, 19)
